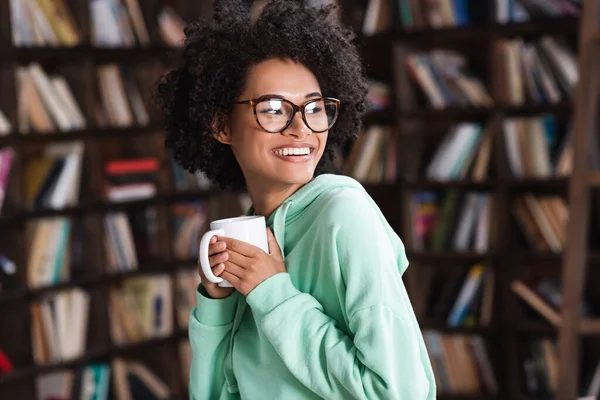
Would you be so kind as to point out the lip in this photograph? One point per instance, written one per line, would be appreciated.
(295, 145)
(295, 159)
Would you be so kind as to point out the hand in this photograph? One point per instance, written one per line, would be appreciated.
(216, 254)
(247, 266)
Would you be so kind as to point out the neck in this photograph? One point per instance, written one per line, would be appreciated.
(266, 197)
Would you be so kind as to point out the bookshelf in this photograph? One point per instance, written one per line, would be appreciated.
(414, 124)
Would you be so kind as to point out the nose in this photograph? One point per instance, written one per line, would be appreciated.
(297, 128)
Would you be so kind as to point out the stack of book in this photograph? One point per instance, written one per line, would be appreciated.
(446, 81)
(373, 156)
(186, 286)
(526, 10)
(53, 180)
(141, 308)
(545, 71)
(121, 251)
(543, 221)
(461, 363)
(116, 23)
(131, 179)
(463, 299)
(465, 149)
(533, 150)
(420, 14)
(133, 380)
(440, 226)
(46, 102)
(122, 103)
(89, 382)
(59, 324)
(43, 23)
(189, 224)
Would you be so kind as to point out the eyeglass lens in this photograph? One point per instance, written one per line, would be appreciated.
(274, 114)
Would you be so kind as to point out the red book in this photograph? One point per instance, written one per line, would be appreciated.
(131, 166)
(5, 364)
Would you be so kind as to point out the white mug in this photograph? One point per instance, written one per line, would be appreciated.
(251, 229)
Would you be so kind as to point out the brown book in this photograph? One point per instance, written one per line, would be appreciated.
(536, 302)
(529, 227)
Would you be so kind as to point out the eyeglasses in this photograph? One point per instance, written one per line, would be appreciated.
(275, 114)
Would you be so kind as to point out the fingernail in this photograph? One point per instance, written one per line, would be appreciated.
(213, 240)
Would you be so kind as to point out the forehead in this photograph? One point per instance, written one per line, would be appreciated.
(283, 77)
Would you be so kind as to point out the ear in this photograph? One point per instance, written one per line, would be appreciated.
(220, 128)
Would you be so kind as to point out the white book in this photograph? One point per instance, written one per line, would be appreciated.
(62, 88)
(137, 104)
(371, 146)
(5, 125)
(41, 24)
(62, 320)
(80, 301)
(563, 59)
(512, 147)
(105, 27)
(433, 167)
(502, 15)
(466, 222)
(49, 97)
(483, 224)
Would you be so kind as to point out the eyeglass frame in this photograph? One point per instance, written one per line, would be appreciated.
(295, 108)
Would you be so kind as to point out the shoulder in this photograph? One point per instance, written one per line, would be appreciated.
(346, 205)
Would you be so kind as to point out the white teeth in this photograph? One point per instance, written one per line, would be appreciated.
(296, 151)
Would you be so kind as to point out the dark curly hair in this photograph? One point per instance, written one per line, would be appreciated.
(215, 60)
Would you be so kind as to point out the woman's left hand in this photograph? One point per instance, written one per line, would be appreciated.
(246, 265)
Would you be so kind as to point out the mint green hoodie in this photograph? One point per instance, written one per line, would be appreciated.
(337, 325)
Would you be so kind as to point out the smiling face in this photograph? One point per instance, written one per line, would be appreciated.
(275, 159)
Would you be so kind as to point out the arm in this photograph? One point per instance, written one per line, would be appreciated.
(210, 328)
(384, 356)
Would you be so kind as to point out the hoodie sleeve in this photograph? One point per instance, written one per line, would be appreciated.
(210, 329)
(383, 355)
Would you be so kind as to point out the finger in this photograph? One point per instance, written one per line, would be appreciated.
(234, 280)
(274, 249)
(218, 258)
(234, 269)
(238, 259)
(238, 246)
(217, 247)
(218, 269)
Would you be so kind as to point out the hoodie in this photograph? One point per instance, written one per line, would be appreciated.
(337, 325)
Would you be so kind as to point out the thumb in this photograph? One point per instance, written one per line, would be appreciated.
(274, 249)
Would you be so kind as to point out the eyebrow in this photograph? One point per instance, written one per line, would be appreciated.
(313, 94)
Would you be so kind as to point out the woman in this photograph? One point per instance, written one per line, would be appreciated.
(258, 104)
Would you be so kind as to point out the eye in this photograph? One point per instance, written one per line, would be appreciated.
(272, 107)
(312, 108)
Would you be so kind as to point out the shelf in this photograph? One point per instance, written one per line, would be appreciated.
(105, 206)
(76, 53)
(90, 280)
(424, 184)
(476, 114)
(482, 33)
(442, 327)
(446, 258)
(90, 356)
(17, 138)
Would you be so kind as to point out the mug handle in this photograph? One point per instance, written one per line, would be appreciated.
(203, 257)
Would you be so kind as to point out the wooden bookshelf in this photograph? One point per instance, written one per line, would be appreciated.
(383, 56)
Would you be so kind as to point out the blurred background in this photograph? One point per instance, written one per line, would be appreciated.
(98, 225)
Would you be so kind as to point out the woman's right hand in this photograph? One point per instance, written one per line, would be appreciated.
(216, 252)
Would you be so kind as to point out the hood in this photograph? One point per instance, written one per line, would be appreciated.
(302, 198)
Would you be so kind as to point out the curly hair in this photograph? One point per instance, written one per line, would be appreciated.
(215, 60)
